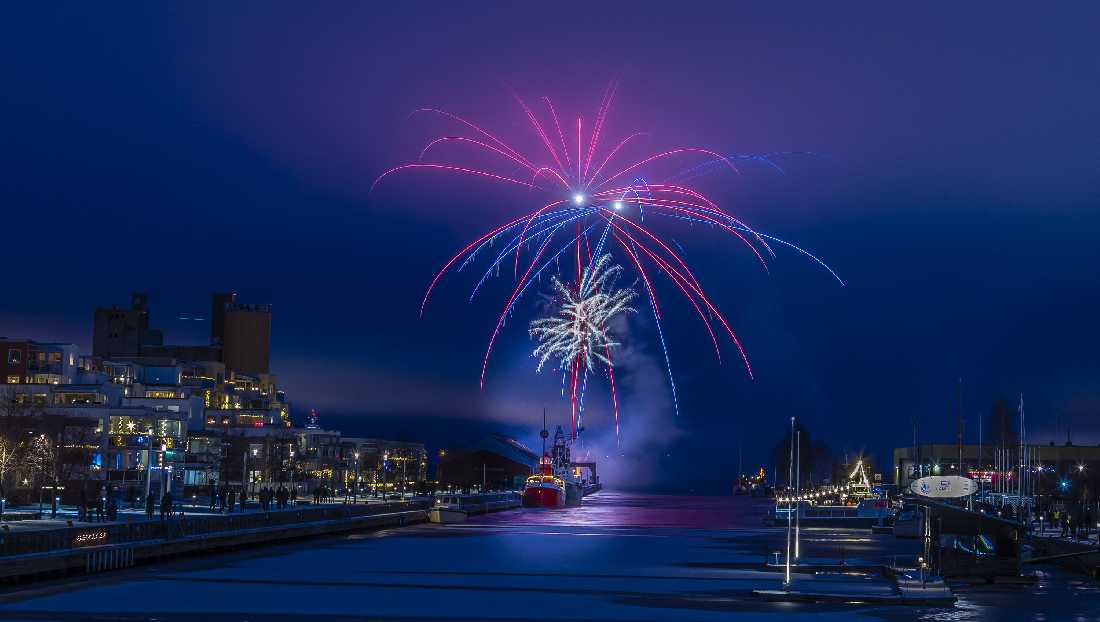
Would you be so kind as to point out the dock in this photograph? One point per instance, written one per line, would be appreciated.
(33, 549)
(813, 583)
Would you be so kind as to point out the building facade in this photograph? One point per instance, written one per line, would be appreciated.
(1059, 463)
(32, 362)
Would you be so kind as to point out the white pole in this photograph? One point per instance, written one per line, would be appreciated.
(244, 472)
(1020, 482)
(148, 471)
(149, 468)
(790, 477)
(798, 489)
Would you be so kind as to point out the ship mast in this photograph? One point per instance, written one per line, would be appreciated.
(544, 433)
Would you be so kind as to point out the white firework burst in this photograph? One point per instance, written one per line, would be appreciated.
(579, 332)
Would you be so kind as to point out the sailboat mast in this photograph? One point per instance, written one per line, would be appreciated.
(739, 461)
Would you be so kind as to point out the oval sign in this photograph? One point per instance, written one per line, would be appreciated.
(943, 487)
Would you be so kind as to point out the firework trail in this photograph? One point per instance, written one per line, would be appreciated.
(595, 206)
(578, 334)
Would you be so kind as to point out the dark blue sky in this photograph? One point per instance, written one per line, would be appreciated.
(180, 149)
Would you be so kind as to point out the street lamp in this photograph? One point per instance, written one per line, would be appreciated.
(149, 465)
(355, 491)
(385, 467)
(252, 474)
(290, 467)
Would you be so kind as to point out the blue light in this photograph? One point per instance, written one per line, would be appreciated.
(1065, 484)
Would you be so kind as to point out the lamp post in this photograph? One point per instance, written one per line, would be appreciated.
(439, 469)
(290, 468)
(149, 467)
(251, 475)
(355, 491)
(244, 471)
(385, 467)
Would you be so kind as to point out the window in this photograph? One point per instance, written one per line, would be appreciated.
(13, 379)
(161, 394)
(128, 425)
(249, 419)
(55, 357)
(169, 428)
(69, 399)
(15, 356)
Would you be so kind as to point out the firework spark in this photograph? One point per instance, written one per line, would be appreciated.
(591, 212)
(579, 334)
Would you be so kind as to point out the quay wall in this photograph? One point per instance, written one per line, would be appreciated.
(92, 548)
(1074, 556)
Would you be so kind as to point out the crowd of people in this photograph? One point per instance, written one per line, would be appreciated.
(281, 496)
(324, 494)
(1074, 520)
(98, 508)
(103, 505)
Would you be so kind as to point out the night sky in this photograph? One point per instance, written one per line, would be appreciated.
(950, 175)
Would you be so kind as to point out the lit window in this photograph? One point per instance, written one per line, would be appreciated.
(161, 394)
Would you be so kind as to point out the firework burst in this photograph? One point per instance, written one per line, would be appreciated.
(578, 336)
(594, 205)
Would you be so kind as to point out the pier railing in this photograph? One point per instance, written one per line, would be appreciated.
(91, 534)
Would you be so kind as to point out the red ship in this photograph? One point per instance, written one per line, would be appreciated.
(544, 489)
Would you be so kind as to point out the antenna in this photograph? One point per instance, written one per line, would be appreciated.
(959, 414)
(544, 433)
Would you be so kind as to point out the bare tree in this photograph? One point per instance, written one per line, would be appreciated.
(9, 453)
(41, 457)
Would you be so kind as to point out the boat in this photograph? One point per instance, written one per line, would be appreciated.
(909, 522)
(756, 485)
(854, 504)
(447, 511)
(866, 513)
(456, 507)
(544, 489)
(559, 481)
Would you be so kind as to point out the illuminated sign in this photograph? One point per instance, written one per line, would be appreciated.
(947, 486)
(90, 538)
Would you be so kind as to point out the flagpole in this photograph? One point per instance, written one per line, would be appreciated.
(798, 490)
(790, 477)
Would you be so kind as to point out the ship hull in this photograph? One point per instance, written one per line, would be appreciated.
(447, 516)
(543, 497)
(573, 494)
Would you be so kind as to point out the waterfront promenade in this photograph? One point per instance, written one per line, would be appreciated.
(617, 557)
(33, 549)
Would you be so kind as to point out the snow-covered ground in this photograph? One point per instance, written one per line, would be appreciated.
(621, 557)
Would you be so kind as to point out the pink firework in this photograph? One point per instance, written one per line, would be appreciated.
(594, 202)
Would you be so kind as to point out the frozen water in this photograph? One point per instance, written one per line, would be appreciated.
(618, 557)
